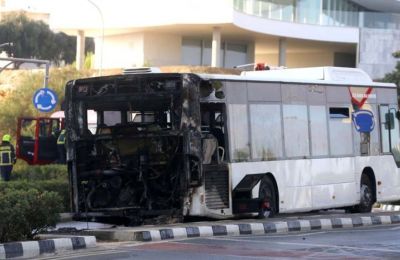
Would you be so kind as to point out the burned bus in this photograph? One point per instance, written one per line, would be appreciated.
(264, 142)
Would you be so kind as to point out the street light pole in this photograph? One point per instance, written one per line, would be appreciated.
(102, 35)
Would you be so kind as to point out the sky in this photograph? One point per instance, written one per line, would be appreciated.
(60, 10)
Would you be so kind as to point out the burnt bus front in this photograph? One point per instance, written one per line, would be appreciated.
(142, 154)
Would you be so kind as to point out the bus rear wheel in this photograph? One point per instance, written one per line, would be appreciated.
(267, 194)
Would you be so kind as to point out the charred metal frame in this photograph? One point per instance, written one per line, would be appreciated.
(129, 89)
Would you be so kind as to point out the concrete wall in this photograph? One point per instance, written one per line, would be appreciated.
(299, 60)
(138, 49)
(376, 48)
(162, 49)
(120, 51)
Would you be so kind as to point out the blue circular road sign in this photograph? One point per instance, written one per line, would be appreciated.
(45, 100)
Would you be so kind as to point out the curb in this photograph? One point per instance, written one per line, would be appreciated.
(390, 207)
(263, 228)
(30, 249)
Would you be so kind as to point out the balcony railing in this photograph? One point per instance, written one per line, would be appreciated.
(317, 16)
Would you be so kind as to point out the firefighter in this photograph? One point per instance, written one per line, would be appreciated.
(7, 157)
(61, 147)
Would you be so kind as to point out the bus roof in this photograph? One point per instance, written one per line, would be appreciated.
(314, 75)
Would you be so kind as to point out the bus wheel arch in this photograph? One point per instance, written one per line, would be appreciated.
(367, 191)
(269, 194)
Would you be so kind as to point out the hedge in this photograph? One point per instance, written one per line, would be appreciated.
(25, 213)
(59, 187)
(23, 171)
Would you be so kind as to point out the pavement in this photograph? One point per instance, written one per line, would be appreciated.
(32, 249)
(242, 227)
(90, 231)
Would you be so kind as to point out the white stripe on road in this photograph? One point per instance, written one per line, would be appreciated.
(83, 254)
(333, 246)
(305, 244)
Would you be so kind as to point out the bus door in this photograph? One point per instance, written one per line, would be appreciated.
(216, 174)
(37, 140)
(389, 126)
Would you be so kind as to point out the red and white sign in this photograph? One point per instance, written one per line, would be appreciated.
(360, 95)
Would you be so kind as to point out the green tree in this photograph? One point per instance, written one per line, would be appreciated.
(34, 39)
(394, 76)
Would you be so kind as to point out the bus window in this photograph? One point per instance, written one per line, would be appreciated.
(266, 146)
(340, 134)
(390, 131)
(112, 117)
(213, 129)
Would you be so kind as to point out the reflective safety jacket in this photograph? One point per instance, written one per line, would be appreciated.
(61, 137)
(7, 154)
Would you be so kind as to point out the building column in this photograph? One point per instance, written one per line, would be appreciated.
(216, 48)
(80, 49)
(282, 51)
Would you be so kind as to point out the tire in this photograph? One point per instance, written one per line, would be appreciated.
(366, 196)
(268, 194)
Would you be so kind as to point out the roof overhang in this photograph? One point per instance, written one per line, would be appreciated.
(390, 6)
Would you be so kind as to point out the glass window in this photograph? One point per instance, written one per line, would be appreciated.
(235, 54)
(319, 131)
(266, 131)
(191, 52)
(384, 110)
(375, 146)
(308, 11)
(390, 131)
(28, 128)
(339, 112)
(295, 122)
(206, 58)
(239, 134)
(92, 121)
(340, 133)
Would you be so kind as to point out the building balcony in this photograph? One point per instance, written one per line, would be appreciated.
(315, 14)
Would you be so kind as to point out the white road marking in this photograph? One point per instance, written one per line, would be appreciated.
(334, 246)
(83, 254)
(282, 235)
(308, 244)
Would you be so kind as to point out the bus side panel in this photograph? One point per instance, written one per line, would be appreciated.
(323, 183)
(386, 173)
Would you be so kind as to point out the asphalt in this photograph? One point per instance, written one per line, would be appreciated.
(86, 234)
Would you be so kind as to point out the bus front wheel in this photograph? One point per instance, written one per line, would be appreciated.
(267, 194)
(366, 196)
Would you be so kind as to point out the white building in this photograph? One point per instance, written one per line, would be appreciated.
(225, 33)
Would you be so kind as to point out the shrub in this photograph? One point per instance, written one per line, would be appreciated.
(59, 187)
(42, 172)
(25, 213)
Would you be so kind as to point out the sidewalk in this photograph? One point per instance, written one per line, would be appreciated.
(385, 207)
(90, 231)
(32, 249)
(241, 227)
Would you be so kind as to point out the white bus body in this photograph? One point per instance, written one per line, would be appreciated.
(307, 180)
(290, 140)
